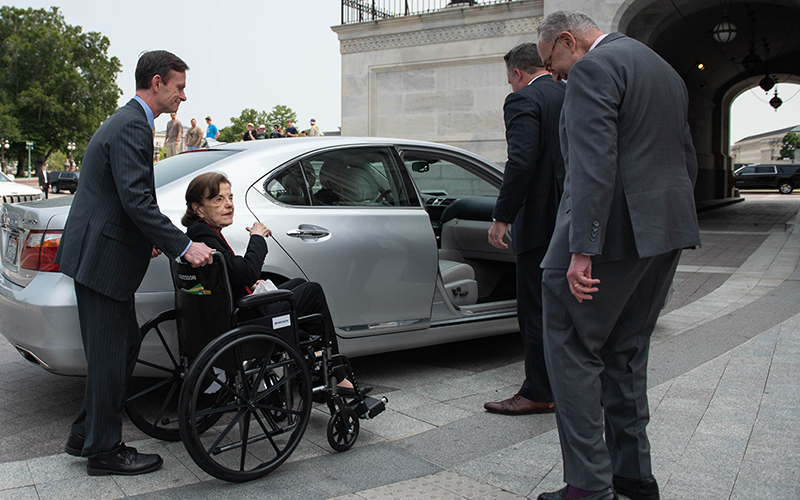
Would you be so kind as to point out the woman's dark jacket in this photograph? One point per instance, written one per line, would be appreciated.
(243, 271)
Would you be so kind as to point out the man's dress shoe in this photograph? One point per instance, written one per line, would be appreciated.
(126, 461)
(644, 489)
(518, 405)
(606, 494)
(74, 445)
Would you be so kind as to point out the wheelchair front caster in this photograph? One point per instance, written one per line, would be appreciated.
(343, 429)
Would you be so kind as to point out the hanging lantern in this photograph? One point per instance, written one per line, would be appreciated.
(776, 101)
(725, 31)
(766, 83)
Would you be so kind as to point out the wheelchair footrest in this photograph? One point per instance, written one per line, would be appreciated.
(369, 407)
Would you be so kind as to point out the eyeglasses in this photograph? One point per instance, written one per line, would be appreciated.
(548, 64)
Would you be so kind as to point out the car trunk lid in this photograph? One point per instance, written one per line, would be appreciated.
(30, 236)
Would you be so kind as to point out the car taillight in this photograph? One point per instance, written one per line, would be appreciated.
(40, 249)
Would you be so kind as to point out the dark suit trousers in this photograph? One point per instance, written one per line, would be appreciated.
(536, 386)
(597, 351)
(309, 298)
(111, 342)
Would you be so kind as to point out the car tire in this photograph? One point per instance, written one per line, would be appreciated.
(55, 189)
(72, 191)
(785, 187)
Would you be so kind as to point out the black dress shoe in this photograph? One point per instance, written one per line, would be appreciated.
(74, 445)
(606, 494)
(126, 461)
(635, 489)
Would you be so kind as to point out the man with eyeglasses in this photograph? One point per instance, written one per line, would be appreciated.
(626, 213)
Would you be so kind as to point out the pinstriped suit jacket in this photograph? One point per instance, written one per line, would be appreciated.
(114, 220)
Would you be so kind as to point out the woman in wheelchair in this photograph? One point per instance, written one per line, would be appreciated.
(209, 209)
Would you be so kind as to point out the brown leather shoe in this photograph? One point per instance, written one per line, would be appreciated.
(517, 405)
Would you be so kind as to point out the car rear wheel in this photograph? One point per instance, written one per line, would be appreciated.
(55, 189)
(785, 187)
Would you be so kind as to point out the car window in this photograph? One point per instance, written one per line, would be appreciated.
(184, 164)
(766, 169)
(440, 175)
(289, 185)
(747, 170)
(367, 176)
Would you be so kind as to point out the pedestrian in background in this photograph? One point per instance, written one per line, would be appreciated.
(261, 132)
(314, 131)
(276, 132)
(291, 131)
(626, 213)
(211, 130)
(44, 183)
(533, 181)
(194, 137)
(174, 133)
(250, 133)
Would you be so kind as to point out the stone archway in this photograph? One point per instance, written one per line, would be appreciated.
(680, 31)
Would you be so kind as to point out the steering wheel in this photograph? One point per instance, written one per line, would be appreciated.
(383, 197)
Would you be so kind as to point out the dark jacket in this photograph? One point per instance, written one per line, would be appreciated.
(534, 175)
(631, 164)
(114, 220)
(243, 271)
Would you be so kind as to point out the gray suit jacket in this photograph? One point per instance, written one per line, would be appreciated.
(114, 221)
(630, 162)
(534, 175)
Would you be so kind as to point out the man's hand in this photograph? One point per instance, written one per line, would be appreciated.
(579, 277)
(199, 254)
(496, 233)
(155, 253)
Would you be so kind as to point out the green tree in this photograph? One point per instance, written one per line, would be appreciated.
(239, 124)
(791, 143)
(279, 115)
(57, 83)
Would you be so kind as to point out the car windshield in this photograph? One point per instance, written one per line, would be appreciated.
(184, 164)
(3, 178)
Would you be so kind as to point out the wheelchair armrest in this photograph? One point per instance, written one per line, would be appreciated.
(260, 299)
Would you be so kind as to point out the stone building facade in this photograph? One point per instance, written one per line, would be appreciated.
(762, 148)
(440, 75)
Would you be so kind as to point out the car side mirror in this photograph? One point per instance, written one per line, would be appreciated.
(420, 166)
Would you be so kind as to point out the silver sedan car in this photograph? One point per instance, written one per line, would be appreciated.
(395, 231)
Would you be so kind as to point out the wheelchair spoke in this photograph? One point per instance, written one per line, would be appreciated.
(227, 430)
(267, 433)
(223, 384)
(262, 371)
(280, 383)
(244, 431)
(167, 400)
(155, 387)
(166, 347)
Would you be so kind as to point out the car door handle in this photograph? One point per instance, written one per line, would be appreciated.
(307, 233)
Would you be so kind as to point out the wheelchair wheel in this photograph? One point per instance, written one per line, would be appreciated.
(152, 403)
(268, 387)
(343, 429)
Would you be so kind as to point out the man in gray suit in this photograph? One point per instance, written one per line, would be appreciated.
(532, 184)
(626, 213)
(113, 230)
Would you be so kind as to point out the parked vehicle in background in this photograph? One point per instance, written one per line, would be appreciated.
(783, 177)
(394, 231)
(61, 181)
(13, 192)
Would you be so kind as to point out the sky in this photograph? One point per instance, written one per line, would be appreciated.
(240, 54)
(261, 53)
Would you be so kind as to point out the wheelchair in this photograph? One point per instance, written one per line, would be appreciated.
(238, 387)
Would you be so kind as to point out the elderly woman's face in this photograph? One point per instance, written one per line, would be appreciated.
(218, 211)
